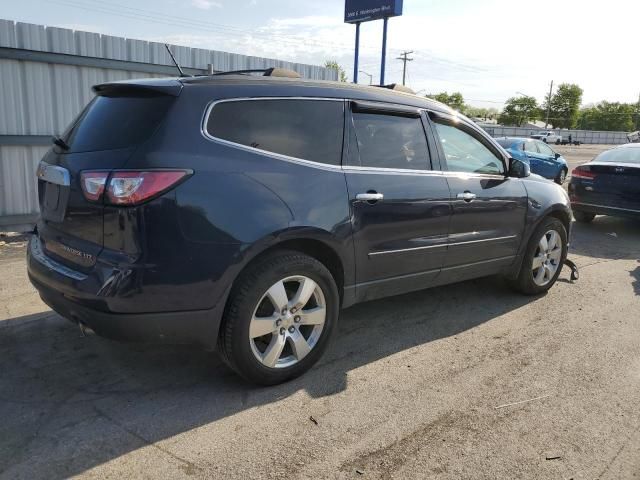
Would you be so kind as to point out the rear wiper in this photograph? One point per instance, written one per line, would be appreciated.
(60, 142)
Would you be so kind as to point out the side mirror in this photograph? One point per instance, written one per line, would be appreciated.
(557, 155)
(518, 168)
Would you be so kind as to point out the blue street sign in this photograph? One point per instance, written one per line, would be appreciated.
(356, 11)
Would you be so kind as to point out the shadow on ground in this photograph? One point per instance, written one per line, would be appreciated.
(70, 403)
(607, 238)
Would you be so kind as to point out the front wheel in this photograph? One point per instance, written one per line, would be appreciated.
(543, 260)
(279, 319)
(561, 177)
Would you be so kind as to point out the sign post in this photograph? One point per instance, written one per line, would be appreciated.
(358, 11)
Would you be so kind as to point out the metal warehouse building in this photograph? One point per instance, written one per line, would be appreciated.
(46, 74)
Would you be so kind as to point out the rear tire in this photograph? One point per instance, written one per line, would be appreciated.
(583, 217)
(279, 318)
(531, 280)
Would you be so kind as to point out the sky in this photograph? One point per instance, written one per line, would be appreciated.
(489, 50)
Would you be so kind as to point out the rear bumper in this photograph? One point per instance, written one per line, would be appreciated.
(605, 210)
(76, 296)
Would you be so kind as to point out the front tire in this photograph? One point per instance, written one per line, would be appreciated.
(583, 217)
(543, 259)
(280, 317)
(561, 177)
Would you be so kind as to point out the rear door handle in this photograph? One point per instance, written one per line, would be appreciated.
(466, 196)
(369, 196)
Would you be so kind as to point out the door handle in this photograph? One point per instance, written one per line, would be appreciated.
(369, 196)
(466, 196)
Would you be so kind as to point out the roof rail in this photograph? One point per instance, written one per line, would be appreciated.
(266, 72)
(398, 88)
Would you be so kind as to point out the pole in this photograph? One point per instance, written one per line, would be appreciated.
(404, 57)
(384, 49)
(546, 125)
(355, 61)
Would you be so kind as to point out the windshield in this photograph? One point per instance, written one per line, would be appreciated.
(620, 155)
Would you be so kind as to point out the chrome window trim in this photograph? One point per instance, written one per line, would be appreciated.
(605, 206)
(454, 244)
(277, 156)
(38, 255)
(53, 174)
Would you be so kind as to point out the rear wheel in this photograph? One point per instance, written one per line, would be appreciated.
(543, 260)
(280, 318)
(583, 217)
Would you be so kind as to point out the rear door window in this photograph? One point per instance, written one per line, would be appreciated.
(389, 141)
(112, 122)
(530, 147)
(305, 129)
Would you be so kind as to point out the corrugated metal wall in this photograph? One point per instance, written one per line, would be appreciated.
(583, 136)
(42, 98)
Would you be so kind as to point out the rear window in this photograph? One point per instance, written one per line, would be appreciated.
(109, 123)
(305, 129)
(505, 143)
(620, 155)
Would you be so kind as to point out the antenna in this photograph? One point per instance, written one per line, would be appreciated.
(182, 74)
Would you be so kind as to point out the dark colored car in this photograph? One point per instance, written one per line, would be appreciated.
(607, 185)
(242, 213)
(540, 157)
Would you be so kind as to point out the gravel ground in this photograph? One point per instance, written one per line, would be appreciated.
(463, 381)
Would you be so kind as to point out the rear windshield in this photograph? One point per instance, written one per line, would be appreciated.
(505, 142)
(620, 155)
(109, 123)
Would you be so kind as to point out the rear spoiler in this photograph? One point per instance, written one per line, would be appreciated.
(139, 87)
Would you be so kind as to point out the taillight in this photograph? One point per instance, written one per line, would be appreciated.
(127, 187)
(93, 184)
(582, 172)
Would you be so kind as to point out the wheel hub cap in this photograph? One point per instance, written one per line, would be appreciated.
(547, 258)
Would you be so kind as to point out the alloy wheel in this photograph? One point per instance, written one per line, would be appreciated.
(287, 322)
(547, 257)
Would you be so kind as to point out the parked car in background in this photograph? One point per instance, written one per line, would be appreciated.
(241, 213)
(548, 137)
(541, 158)
(607, 185)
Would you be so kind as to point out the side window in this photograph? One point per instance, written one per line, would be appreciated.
(388, 141)
(305, 129)
(544, 149)
(530, 147)
(464, 153)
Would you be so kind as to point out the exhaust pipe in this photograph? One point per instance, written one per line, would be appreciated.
(85, 330)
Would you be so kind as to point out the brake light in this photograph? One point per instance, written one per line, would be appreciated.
(93, 184)
(126, 187)
(581, 172)
(130, 188)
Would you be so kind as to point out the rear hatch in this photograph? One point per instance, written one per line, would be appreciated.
(104, 136)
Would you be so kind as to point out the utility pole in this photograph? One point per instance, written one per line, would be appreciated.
(546, 125)
(404, 57)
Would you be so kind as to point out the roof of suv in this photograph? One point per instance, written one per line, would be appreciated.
(300, 87)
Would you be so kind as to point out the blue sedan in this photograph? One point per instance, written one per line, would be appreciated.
(540, 157)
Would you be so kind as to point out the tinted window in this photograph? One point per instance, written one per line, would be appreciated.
(386, 141)
(545, 150)
(464, 153)
(116, 122)
(306, 129)
(621, 155)
(530, 147)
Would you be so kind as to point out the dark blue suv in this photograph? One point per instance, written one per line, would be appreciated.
(242, 212)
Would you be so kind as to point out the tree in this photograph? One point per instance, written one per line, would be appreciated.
(455, 100)
(565, 105)
(479, 112)
(333, 65)
(611, 116)
(518, 110)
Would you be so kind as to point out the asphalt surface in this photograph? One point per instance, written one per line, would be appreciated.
(463, 381)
